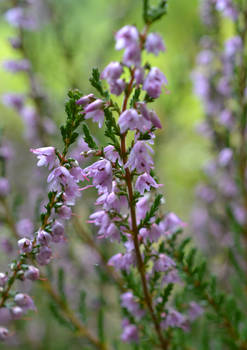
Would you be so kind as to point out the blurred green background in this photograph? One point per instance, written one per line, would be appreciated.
(74, 37)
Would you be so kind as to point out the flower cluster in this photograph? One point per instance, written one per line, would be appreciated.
(220, 82)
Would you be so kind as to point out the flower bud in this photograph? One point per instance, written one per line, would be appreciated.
(32, 273)
(25, 245)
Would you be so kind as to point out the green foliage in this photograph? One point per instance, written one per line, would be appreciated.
(59, 317)
(153, 13)
(88, 137)
(82, 308)
(96, 83)
(112, 129)
(155, 206)
(61, 284)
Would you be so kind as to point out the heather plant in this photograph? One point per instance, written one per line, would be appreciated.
(164, 288)
(220, 81)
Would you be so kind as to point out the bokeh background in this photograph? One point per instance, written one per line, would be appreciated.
(73, 37)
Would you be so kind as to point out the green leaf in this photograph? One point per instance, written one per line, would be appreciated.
(83, 306)
(60, 319)
(96, 83)
(61, 283)
(88, 138)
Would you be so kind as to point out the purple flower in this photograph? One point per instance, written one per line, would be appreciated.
(233, 46)
(16, 312)
(139, 75)
(25, 228)
(227, 8)
(145, 182)
(175, 319)
(59, 175)
(64, 212)
(46, 156)
(25, 301)
(128, 302)
(206, 193)
(25, 245)
(17, 18)
(171, 223)
(130, 333)
(225, 157)
(117, 86)
(15, 66)
(85, 100)
(142, 207)
(111, 154)
(3, 279)
(112, 72)
(129, 119)
(122, 261)
(194, 311)
(154, 82)
(163, 263)
(44, 255)
(32, 273)
(126, 36)
(57, 232)
(171, 277)
(13, 100)
(43, 237)
(95, 111)
(154, 43)
(149, 115)
(153, 234)
(101, 173)
(139, 157)
(132, 55)
(4, 333)
(4, 187)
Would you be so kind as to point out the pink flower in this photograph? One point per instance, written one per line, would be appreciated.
(45, 155)
(144, 182)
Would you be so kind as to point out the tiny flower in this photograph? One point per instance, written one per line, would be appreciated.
(171, 277)
(64, 212)
(130, 334)
(122, 261)
(43, 237)
(171, 223)
(154, 43)
(128, 302)
(126, 36)
(85, 100)
(15, 66)
(139, 75)
(112, 72)
(25, 301)
(16, 312)
(117, 86)
(149, 115)
(233, 46)
(225, 157)
(101, 173)
(145, 182)
(111, 154)
(129, 119)
(154, 82)
(32, 273)
(163, 263)
(44, 255)
(13, 100)
(227, 8)
(139, 157)
(4, 333)
(25, 245)
(4, 187)
(25, 228)
(3, 279)
(175, 319)
(194, 311)
(45, 155)
(132, 55)
(57, 232)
